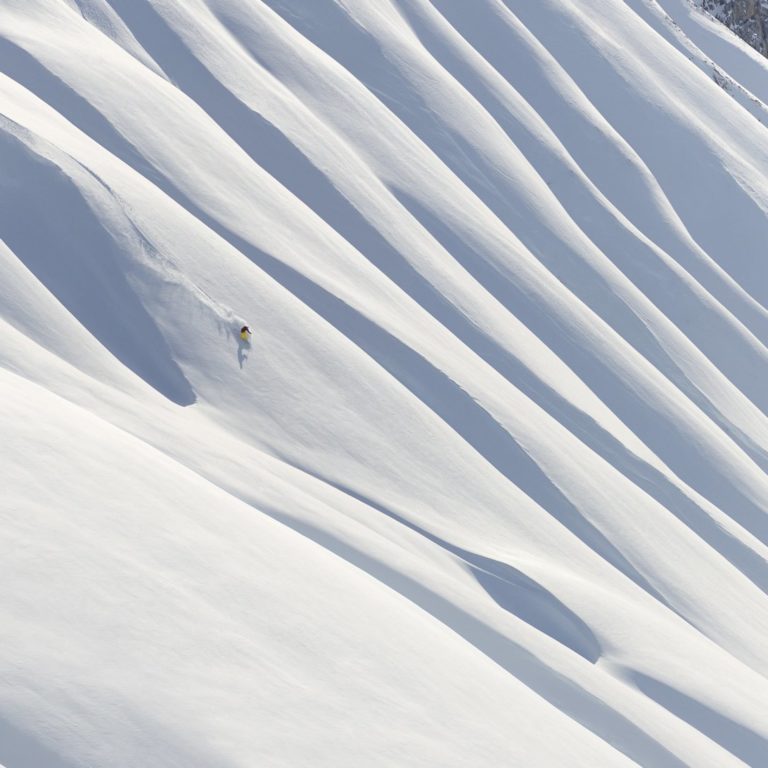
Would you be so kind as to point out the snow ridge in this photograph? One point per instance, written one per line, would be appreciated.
(488, 485)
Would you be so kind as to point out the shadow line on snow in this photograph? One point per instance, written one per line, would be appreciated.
(27, 71)
(735, 738)
(77, 260)
(21, 749)
(511, 589)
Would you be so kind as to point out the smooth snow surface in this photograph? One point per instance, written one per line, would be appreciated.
(488, 486)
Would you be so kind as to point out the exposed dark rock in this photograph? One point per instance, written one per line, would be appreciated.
(747, 18)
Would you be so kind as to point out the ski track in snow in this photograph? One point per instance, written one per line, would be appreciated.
(487, 487)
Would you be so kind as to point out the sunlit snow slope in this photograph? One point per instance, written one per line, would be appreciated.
(487, 488)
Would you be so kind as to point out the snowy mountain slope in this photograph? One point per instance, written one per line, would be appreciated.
(488, 485)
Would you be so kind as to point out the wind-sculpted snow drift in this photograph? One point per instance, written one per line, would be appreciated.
(487, 487)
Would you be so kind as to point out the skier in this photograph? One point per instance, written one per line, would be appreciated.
(245, 333)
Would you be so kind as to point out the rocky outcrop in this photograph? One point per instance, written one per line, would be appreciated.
(747, 18)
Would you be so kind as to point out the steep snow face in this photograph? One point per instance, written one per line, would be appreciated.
(487, 487)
